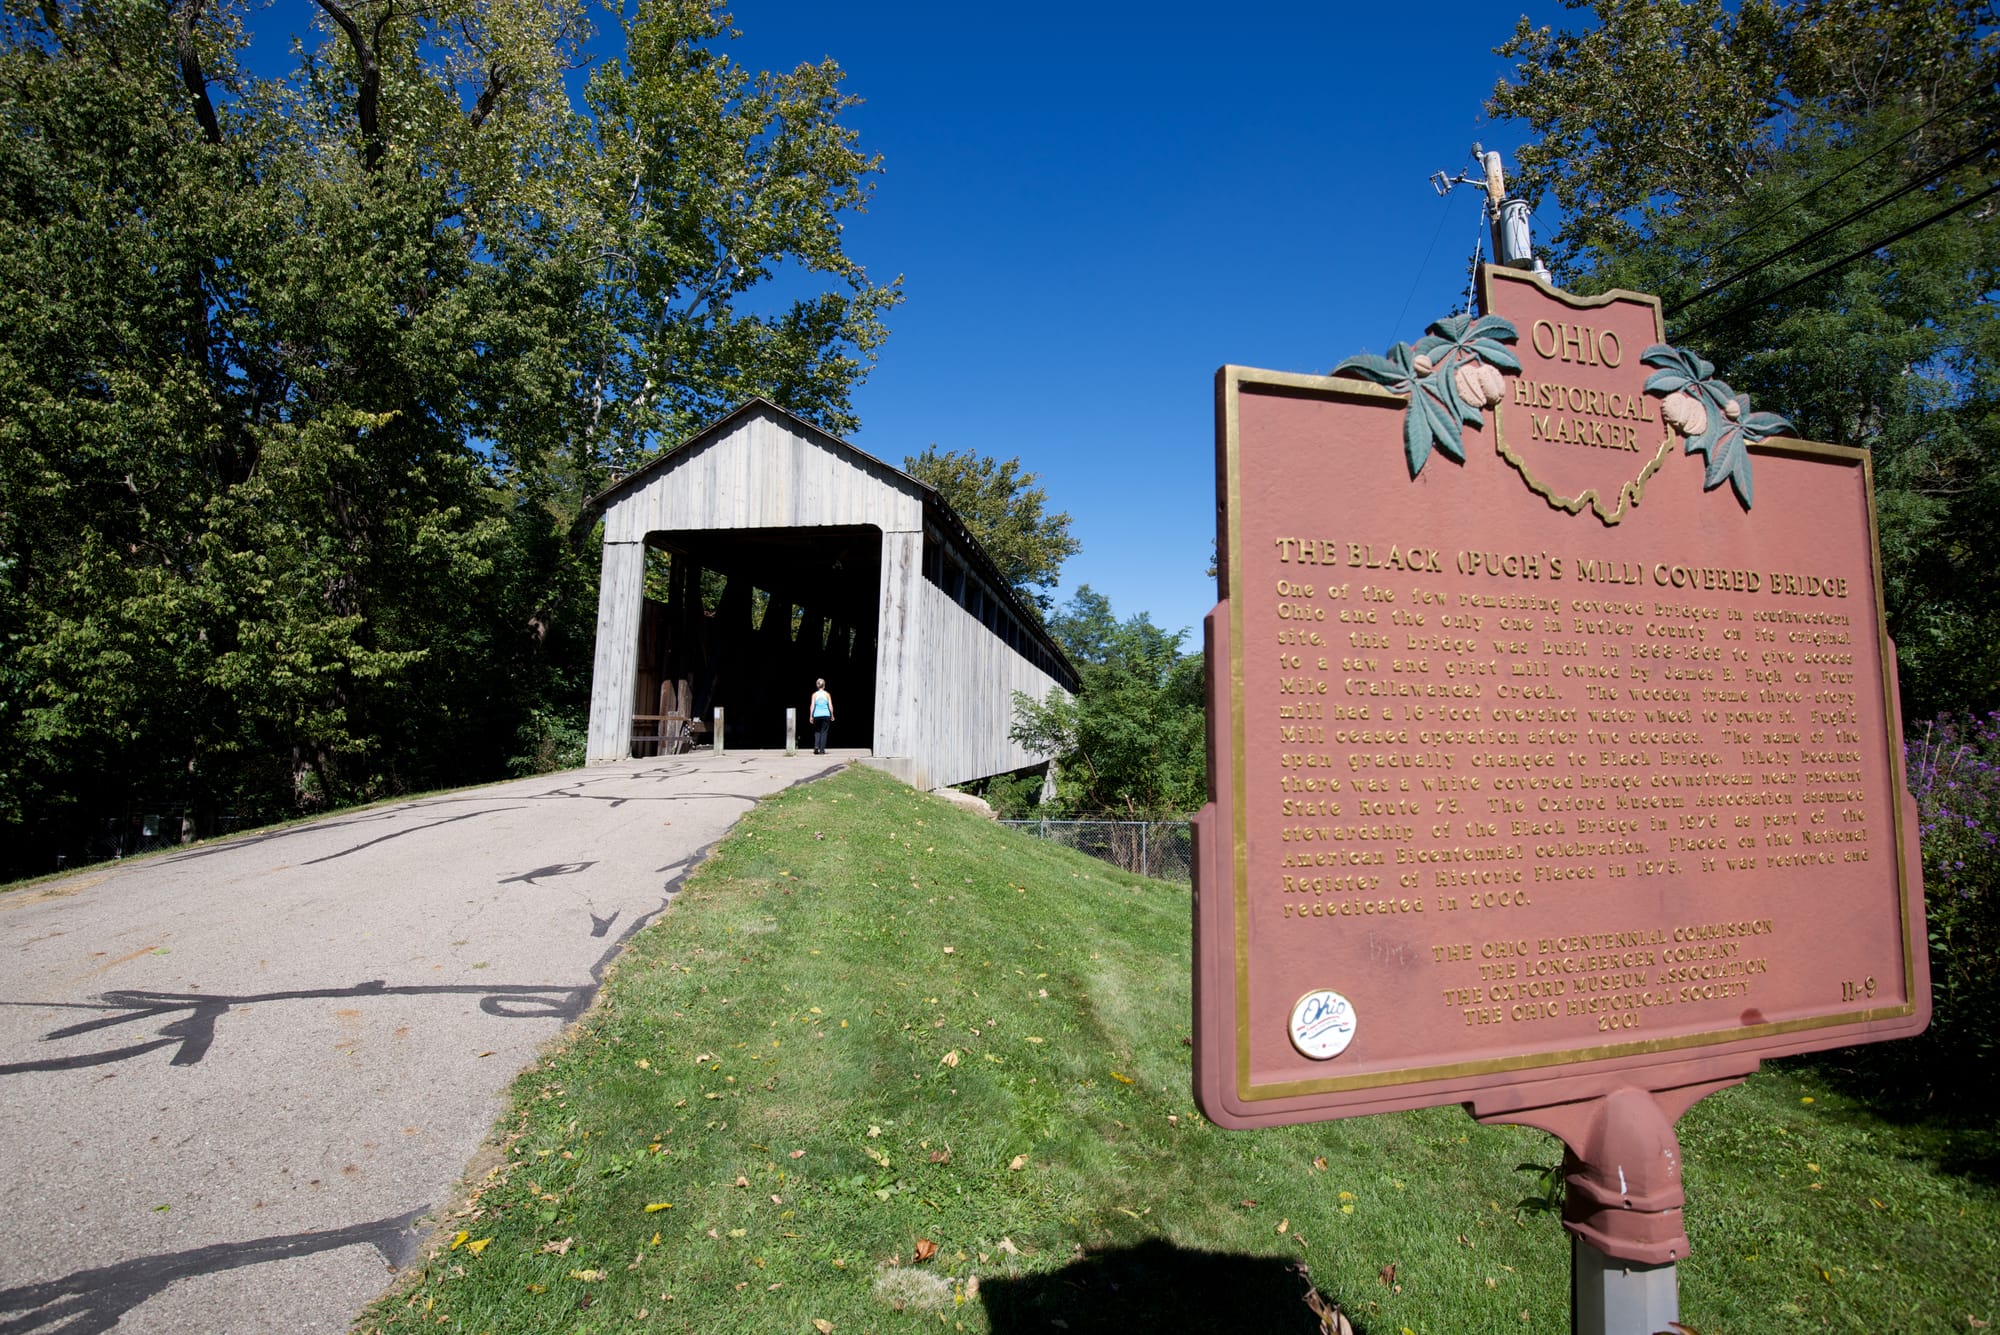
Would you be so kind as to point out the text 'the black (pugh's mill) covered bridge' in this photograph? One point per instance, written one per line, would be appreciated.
(763, 553)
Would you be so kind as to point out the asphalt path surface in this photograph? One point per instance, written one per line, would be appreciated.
(234, 1080)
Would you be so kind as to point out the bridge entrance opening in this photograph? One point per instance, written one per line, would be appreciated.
(746, 619)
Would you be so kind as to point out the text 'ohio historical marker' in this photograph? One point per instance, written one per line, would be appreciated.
(1553, 731)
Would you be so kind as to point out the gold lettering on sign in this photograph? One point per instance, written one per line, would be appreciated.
(1450, 749)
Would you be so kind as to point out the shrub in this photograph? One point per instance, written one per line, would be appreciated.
(1953, 764)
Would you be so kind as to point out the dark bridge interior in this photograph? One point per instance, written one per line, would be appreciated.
(745, 619)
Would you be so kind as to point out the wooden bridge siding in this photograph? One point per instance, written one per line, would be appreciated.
(961, 702)
(620, 595)
(898, 660)
(761, 475)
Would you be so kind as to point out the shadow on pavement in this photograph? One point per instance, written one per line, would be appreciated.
(91, 1301)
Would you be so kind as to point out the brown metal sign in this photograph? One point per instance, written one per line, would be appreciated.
(1553, 730)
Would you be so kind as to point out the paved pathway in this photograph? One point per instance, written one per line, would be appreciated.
(233, 1079)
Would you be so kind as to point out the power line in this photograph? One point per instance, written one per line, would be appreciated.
(1873, 206)
(1848, 170)
(1420, 270)
(1825, 269)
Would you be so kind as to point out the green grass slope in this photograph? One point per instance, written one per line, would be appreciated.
(886, 1066)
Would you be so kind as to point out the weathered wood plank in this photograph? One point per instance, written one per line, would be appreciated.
(613, 676)
(760, 475)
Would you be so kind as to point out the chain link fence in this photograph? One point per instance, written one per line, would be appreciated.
(1163, 849)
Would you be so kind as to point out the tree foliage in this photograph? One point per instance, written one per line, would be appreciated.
(1005, 508)
(1805, 185)
(307, 378)
(1131, 743)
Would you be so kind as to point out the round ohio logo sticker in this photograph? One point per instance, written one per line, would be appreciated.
(1322, 1025)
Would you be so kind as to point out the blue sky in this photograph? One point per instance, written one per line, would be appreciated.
(1095, 205)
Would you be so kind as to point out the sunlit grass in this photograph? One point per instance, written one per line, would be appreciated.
(874, 1024)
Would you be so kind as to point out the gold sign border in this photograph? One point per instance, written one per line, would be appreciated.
(1232, 383)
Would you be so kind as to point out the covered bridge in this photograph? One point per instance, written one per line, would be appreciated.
(762, 553)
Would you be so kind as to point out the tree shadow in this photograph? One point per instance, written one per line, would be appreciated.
(1943, 1111)
(1159, 1286)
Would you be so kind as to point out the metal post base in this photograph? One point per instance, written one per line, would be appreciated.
(1613, 1297)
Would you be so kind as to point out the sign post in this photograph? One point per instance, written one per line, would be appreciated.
(1555, 757)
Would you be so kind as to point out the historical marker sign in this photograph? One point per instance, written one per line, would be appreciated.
(1554, 737)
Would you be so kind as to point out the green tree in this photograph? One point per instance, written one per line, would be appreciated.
(1804, 186)
(1132, 741)
(1005, 508)
(308, 378)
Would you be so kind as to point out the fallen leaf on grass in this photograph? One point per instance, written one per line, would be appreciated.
(926, 1249)
(654, 1207)
(553, 1248)
(477, 1246)
(822, 1326)
(1018, 1162)
(738, 1232)
(1007, 1245)
(798, 1154)
(1121, 1077)
(1332, 1321)
(1284, 1226)
(458, 1241)
(1387, 1274)
(1320, 1163)
(949, 1058)
(940, 1156)
(587, 1276)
